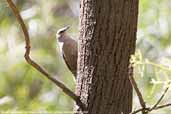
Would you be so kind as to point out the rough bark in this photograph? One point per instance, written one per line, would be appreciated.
(107, 39)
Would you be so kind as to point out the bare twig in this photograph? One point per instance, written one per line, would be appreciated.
(135, 86)
(149, 109)
(136, 111)
(140, 97)
(140, 110)
(162, 96)
(145, 109)
(37, 66)
(162, 106)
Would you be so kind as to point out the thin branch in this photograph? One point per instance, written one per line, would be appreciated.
(140, 110)
(140, 97)
(155, 107)
(162, 96)
(149, 109)
(135, 86)
(65, 89)
(136, 111)
(162, 106)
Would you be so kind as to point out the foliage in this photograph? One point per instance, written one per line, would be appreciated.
(153, 78)
(21, 86)
(153, 63)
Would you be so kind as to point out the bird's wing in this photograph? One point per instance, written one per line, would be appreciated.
(66, 62)
(68, 65)
(70, 55)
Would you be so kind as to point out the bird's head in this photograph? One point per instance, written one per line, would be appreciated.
(61, 34)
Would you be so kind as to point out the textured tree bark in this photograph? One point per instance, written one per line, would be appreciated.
(107, 39)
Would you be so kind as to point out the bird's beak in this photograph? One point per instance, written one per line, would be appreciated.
(66, 28)
(62, 29)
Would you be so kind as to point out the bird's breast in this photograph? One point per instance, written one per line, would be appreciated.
(60, 47)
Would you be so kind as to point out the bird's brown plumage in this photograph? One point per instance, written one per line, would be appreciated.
(69, 49)
(70, 55)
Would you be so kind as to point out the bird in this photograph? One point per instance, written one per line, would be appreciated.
(68, 49)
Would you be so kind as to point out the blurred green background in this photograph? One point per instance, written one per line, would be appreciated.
(24, 88)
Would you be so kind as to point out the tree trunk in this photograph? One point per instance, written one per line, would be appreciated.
(107, 39)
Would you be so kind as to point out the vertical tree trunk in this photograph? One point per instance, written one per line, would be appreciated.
(107, 39)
